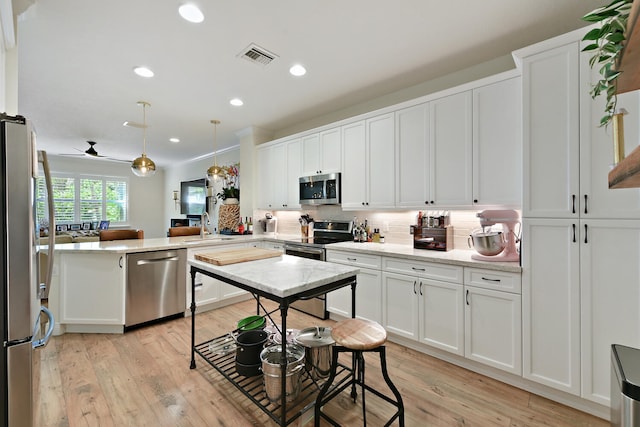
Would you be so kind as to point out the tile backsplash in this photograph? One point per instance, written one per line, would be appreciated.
(394, 226)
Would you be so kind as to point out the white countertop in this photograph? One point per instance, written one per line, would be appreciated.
(281, 276)
(454, 257)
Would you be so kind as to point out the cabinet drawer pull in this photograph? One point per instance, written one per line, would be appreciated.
(491, 280)
(467, 297)
(418, 269)
(421, 287)
(414, 288)
(120, 262)
(573, 226)
(573, 203)
(352, 259)
(199, 285)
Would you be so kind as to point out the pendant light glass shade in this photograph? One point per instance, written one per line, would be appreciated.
(214, 171)
(143, 166)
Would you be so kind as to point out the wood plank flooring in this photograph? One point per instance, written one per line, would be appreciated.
(142, 378)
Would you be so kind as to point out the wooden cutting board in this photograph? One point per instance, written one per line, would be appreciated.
(234, 256)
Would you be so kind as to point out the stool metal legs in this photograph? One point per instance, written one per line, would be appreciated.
(358, 378)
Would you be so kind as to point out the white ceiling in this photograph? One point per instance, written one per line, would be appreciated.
(76, 59)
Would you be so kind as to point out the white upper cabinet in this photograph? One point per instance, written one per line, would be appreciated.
(381, 161)
(412, 161)
(368, 153)
(451, 152)
(321, 152)
(354, 183)
(596, 151)
(551, 133)
(278, 173)
(567, 155)
(497, 144)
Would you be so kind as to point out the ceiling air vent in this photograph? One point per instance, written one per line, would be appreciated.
(257, 55)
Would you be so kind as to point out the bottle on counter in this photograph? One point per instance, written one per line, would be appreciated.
(250, 226)
(240, 227)
(376, 236)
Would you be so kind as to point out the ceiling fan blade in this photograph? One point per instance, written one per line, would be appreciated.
(134, 125)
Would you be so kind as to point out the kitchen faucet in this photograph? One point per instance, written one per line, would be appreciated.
(202, 226)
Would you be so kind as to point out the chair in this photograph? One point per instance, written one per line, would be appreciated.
(357, 336)
(106, 235)
(183, 231)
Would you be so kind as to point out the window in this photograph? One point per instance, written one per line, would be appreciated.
(80, 198)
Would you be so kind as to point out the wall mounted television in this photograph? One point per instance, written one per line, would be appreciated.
(193, 197)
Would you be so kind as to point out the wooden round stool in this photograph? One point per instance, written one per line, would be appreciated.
(357, 336)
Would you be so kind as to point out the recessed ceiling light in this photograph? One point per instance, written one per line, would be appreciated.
(174, 140)
(143, 71)
(298, 70)
(191, 13)
(236, 102)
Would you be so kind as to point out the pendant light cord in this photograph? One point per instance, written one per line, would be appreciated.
(144, 129)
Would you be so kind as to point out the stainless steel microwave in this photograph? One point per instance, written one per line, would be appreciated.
(320, 189)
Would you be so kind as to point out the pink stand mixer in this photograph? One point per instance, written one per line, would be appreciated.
(492, 245)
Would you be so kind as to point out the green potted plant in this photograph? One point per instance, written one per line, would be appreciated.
(228, 194)
(607, 43)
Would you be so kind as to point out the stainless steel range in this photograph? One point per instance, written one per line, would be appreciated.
(324, 233)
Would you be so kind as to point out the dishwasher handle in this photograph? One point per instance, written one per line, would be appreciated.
(155, 261)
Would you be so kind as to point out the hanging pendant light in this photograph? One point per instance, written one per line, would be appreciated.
(214, 171)
(143, 166)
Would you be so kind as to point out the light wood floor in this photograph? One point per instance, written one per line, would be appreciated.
(142, 378)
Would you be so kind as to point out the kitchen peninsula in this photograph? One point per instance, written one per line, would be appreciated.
(89, 289)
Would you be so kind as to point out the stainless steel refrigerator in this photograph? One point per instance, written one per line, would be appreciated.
(21, 287)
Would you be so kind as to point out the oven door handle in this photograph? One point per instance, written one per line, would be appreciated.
(312, 251)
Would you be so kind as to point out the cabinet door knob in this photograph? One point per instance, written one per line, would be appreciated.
(475, 200)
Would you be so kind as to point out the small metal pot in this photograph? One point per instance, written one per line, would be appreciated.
(318, 345)
(271, 357)
(488, 243)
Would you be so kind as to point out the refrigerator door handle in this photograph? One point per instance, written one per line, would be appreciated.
(44, 288)
(44, 340)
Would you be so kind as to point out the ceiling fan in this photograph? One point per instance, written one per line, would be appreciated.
(92, 152)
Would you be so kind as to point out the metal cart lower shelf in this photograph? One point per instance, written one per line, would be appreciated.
(213, 352)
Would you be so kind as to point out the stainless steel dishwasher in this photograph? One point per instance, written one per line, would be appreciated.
(155, 285)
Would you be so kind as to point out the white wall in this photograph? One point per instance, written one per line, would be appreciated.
(146, 195)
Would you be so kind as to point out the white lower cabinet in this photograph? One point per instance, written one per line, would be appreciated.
(551, 303)
(210, 290)
(609, 298)
(492, 328)
(419, 305)
(400, 304)
(368, 288)
(441, 315)
(92, 288)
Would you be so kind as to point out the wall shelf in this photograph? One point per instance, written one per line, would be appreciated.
(626, 174)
